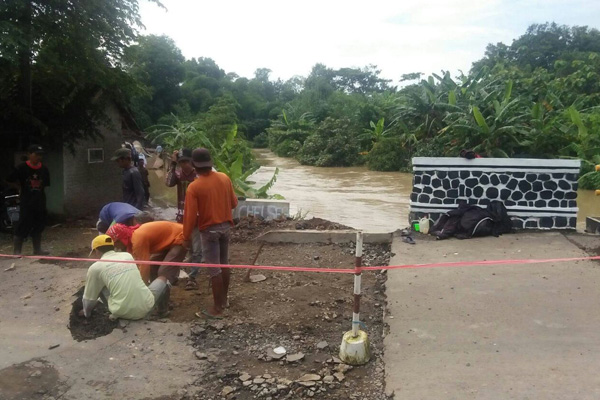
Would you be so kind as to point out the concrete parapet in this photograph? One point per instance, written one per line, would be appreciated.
(315, 236)
(268, 209)
(538, 194)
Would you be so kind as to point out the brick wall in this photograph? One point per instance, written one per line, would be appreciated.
(88, 186)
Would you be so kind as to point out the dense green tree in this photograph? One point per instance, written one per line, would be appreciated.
(60, 60)
(333, 144)
(156, 63)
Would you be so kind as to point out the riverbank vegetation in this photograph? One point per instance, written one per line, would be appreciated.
(536, 97)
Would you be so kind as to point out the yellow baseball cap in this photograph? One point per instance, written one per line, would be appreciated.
(101, 240)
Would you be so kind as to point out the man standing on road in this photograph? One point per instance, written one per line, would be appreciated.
(133, 187)
(121, 285)
(208, 204)
(32, 178)
(181, 174)
(145, 179)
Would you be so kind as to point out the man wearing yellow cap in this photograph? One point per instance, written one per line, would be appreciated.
(121, 284)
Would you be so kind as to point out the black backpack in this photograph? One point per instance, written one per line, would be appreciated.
(502, 222)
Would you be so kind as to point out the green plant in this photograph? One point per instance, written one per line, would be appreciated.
(333, 144)
(388, 155)
(261, 141)
(228, 158)
(300, 215)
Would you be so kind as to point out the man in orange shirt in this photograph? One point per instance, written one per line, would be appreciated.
(153, 241)
(208, 204)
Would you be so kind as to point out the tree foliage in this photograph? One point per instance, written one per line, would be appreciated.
(59, 61)
(538, 96)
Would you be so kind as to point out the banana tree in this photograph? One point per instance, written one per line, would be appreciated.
(376, 133)
(227, 158)
(497, 133)
(180, 135)
(423, 107)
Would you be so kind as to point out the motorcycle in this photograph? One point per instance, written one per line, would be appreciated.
(9, 213)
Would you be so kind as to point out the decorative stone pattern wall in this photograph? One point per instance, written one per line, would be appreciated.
(538, 194)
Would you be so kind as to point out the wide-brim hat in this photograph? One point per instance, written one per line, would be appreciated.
(201, 158)
(121, 153)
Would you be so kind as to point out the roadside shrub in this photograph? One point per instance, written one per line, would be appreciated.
(287, 148)
(590, 180)
(334, 144)
(388, 155)
(261, 141)
(434, 147)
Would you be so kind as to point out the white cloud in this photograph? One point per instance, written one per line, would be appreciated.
(290, 37)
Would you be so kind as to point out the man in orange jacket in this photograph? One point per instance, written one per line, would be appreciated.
(208, 204)
(153, 241)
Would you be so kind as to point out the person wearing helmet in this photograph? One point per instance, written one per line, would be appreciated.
(120, 284)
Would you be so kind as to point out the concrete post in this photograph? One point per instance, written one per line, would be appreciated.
(357, 284)
(355, 348)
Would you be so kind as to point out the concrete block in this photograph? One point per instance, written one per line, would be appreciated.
(268, 209)
(592, 225)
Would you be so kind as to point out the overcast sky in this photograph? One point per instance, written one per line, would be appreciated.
(399, 36)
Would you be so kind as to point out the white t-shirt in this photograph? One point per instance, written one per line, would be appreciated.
(129, 297)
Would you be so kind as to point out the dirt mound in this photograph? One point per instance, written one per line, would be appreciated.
(306, 313)
(99, 324)
(248, 228)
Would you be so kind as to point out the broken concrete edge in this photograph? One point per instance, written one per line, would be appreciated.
(592, 225)
(317, 236)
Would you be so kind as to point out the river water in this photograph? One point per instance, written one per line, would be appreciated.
(368, 200)
(357, 197)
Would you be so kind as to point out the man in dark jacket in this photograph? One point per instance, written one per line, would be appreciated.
(133, 187)
(32, 178)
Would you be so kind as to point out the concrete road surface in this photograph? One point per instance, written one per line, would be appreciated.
(40, 360)
(494, 332)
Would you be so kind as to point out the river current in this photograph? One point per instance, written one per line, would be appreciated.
(368, 200)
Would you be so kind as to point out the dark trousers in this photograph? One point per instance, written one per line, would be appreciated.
(215, 246)
(32, 221)
(174, 254)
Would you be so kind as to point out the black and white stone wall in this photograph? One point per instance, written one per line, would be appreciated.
(538, 194)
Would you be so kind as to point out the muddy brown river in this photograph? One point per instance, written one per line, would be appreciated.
(368, 200)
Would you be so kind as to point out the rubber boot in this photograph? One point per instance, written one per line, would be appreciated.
(17, 246)
(37, 245)
(219, 295)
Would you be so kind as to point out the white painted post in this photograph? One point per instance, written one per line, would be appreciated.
(357, 282)
(355, 348)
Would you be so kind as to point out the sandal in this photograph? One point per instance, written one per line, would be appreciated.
(408, 239)
(205, 314)
(191, 285)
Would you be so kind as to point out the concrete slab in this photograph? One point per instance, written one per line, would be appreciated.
(144, 360)
(493, 332)
(316, 236)
(266, 208)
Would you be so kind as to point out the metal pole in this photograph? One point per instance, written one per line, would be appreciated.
(357, 279)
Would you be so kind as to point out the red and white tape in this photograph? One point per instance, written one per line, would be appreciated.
(316, 269)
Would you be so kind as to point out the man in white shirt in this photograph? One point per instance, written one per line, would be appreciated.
(121, 284)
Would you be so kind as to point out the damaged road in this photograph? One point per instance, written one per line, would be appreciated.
(185, 357)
